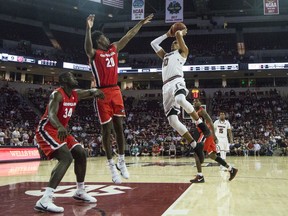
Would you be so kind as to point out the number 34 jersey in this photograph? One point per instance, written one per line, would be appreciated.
(105, 67)
(65, 110)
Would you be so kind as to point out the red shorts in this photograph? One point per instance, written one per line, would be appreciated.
(49, 142)
(111, 105)
(210, 145)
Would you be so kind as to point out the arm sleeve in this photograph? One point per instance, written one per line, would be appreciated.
(155, 43)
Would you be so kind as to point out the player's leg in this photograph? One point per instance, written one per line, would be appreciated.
(64, 158)
(106, 140)
(180, 98)
(80, 163)
(118, 127)
(118, 115)
(199, 178)
(233, 171)
(105, 113)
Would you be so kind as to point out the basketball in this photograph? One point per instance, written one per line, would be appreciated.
(177, 26)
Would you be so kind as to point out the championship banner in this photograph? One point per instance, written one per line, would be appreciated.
(271, 7)
(174, 11)
(138, 9)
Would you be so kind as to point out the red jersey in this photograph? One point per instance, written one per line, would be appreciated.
(105, 67)
(65, 110)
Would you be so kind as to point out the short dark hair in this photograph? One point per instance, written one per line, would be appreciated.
(95, 36)
(62, 76)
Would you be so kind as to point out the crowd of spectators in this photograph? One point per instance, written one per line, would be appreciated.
(259, 123)
(204, 49)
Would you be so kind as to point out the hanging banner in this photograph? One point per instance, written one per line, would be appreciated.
(138, 7)
(174, 11)
(271, 7)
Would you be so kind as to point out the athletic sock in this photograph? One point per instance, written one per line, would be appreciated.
(121, 157)
(221, 161)
(200, 174)
(80, 185)
(49, 192)
(111, 162)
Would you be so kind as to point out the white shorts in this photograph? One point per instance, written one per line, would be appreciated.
(223, 144)
(169, 90)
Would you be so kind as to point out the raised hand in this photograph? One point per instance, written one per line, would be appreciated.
(147, 19)
(90, 20)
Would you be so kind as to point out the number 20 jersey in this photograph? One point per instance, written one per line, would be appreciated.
(105, 67)
(65, 110)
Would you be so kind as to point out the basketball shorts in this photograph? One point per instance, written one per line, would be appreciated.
(169, 90)
(209, 143)
(223, 144)
(111, 105)
(49, 142)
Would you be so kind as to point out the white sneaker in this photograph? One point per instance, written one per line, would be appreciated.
(45, 204)
(82, 195)
(115, 175)
(121, 166)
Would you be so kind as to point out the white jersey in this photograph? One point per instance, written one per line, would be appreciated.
(221, 128)
(172, 65)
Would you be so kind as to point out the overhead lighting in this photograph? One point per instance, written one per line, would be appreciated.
(3, 67)
(75, 8)
(110, 15)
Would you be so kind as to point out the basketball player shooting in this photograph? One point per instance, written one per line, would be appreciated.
(174, 87)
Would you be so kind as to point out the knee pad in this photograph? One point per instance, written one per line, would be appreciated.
(181, 100)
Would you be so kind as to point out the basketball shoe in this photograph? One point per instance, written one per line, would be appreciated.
(121, 166)
(198, 179)
(45, 204)
(115, 175)
(82, 195)
(233, 173)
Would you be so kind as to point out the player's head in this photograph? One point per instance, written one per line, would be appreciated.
(222, 115)
(99, 40)
(68, 79)
(175, 45)
(197, 104)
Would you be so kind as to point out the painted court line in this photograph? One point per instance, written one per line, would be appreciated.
(171, 211)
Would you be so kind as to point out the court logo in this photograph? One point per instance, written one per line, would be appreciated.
(93, 190)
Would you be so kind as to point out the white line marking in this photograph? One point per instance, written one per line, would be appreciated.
(171, 211)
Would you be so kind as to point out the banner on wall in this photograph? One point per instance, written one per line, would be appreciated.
(138, 9)
(174, 11)
(271, 7)
(19, 153)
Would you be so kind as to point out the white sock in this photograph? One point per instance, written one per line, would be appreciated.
(111, 162)
(200, 174)
(49, 192)
(229, 168)
(80, 185)
(198, 121)
(121, 157)
(193, 144)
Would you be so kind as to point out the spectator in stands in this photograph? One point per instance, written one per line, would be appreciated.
(172, 149)
(2, 136)
(16, 137)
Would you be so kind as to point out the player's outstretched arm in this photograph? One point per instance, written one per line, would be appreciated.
(89, 93)
(131, 33)
(155, 44)
(88, 45)
(179, 37)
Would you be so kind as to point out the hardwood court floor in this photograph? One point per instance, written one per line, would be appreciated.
(157, 186)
